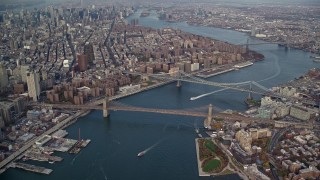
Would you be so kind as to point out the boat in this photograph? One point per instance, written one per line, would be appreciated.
(140, 154)
(197, 130)
(315, 57)
(85, 143)
(51, 162)
(316, 60)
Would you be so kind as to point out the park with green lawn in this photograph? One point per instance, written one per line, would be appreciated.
(213, 160)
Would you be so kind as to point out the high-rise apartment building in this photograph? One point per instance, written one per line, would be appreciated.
(88, 50)
(82, 62)
(3, 76)
(33, 82)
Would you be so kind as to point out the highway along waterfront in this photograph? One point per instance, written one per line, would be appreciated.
(112, 153)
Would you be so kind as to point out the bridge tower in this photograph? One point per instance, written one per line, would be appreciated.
(209, 118)
(105, 107)
(247, 45)
(179, 84)
(250, 95)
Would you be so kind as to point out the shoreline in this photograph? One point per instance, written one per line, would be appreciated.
(224, 70)
(247, 33)
(200, 171)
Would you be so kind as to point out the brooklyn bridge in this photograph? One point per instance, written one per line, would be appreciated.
(205, 111)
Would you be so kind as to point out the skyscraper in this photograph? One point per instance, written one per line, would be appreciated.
(3, 76)
(82, 62)
(33, 82)
(24, 69)
(88, 50)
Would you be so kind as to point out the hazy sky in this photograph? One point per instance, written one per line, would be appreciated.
(229, 2)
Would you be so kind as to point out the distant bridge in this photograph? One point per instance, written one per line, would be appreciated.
(247, 86)
(281, 43)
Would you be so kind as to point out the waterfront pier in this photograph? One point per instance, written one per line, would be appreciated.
(32, 168)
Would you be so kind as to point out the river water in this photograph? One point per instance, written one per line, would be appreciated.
(117, 140)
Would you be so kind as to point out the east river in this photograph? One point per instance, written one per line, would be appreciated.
(112, 153)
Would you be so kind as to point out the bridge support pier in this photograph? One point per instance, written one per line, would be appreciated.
(105, 107)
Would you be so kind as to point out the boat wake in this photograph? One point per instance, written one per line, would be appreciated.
(165, 127)
(150, 148)
(101, 169)
(278, 70)
(116, 141)
(153, 146)
(207, 94)
(72, 162)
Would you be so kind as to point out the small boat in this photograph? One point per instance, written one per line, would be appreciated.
(141, 153)
(51, 162)
(197, 130)
(315, 57)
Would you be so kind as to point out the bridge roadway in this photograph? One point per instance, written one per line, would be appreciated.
(195, 80)
(224, 116)
(234, 86)
(279, 43)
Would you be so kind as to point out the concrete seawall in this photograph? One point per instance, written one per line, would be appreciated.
(201, 173)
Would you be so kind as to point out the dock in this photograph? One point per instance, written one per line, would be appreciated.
(62, 144)
(32, 168)
(78, 146)
(85, 143)
(42, 157)
(60, 134)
